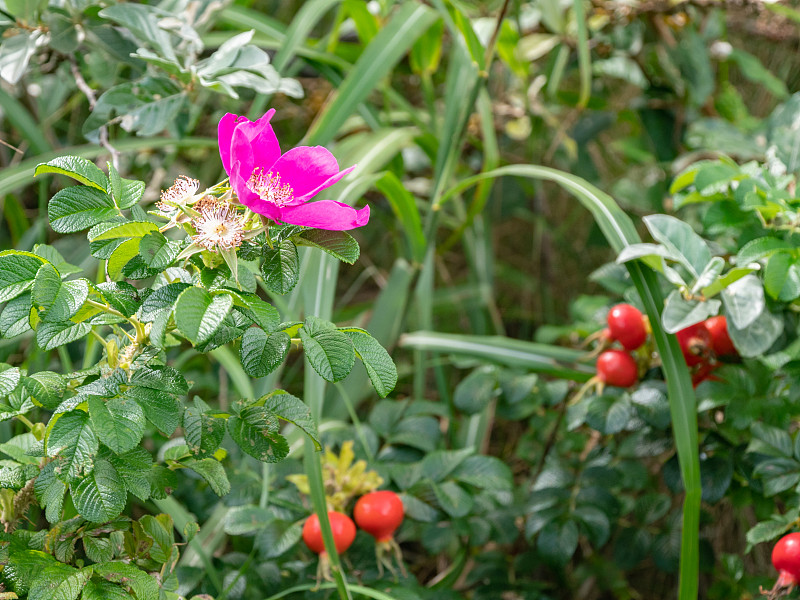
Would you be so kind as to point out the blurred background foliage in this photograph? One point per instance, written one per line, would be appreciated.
(509, 492)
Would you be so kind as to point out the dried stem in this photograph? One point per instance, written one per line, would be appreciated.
(90, 96)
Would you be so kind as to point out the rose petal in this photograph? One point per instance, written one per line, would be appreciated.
(224, 137)
(261, 139)
(308, 169)
(325, 214)
(249, 198)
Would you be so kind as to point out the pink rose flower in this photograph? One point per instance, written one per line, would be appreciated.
(280, 186)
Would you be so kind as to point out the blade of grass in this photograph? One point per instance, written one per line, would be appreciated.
(542, 358)
(24, 123)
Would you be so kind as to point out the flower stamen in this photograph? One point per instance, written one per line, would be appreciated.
(268, 186)
(178, 194)
(218, 225)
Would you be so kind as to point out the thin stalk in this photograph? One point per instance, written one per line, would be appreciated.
(584, 60)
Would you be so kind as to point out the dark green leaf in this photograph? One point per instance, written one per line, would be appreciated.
(202, 430)
(281, 267)
(291, 409)
(339, 244)
(329, 351)
(100, 495)
(255, 430)
(198, 314)
(80, 169)
(76, 208)
(213, 472)
(118, 422)
(17, 272)
(73, 439)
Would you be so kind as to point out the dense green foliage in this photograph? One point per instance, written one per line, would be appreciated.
(162, 408)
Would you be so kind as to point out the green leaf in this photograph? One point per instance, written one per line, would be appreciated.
(144, 586)
(129, 229)
(50, 491)
(98, 549)
(213, 472)
(281, 268)
(15, 318)
(57, 301)
(17, 272)
(25, 567)
(766, 531)
(134, 469)
(475, 391)
(77, 208)
(255, 430)
(262, 353)
(453, 499)
(118, 422)
(162, 300)
(557, 542)
(9, 379)
(100, 495)
(198, 314)
(339, 244)
(121, 296)
(485, 472)
(59, 583)
(165, 379)
(73, 438)
(157, 251)
(159, 529)
(681, 241)
(202, 430)
(124, 253)
(162, 409)
(380, 366)
(103, 590)
(744, 301)
(758, 336)
(782, 278)
(329, 351)
(278, 536)
(753, 69)
(759, 248)
(293, 410)
(53, 335)
(679, 313)
(80, 169)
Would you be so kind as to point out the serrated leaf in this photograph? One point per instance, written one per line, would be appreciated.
(330, 352)
(162, 409)
(100, 495)
(59, 583)
(339, 244)
(77, 208)
(73, 438)
(80, 169)
(759, 248)
(53, 335)
(255, 430)
(485, 472)
(121, 296)
(157, 251)
(159, 529)
(56, 300)
(281, 267)
(293, 410)
(453, 499)
(129, 229)
(162, 299)
(9, 379)
(202, 430)
(17, 273)
(104, 590)
(143, 585)
(278, 536)
(166, 379)
(261, 353)
(198, 314)
(24, 567)
(50, 491)
(97, 549)
(766, 531)
(213, 472)
(118, 422)
(475, 391)
(134, 468)
(379, 365)
(15, 318)
(124, 253)
(557, 542)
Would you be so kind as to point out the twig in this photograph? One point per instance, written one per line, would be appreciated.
(90, 96)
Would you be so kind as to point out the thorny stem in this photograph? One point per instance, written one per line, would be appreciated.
(90, 96)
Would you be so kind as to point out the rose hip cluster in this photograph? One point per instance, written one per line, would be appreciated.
(701, 344)
(378, 513)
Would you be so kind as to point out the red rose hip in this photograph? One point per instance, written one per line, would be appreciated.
(379, 514)
(617, 368)
(626, 325)
(720, 339)
(344, 532)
